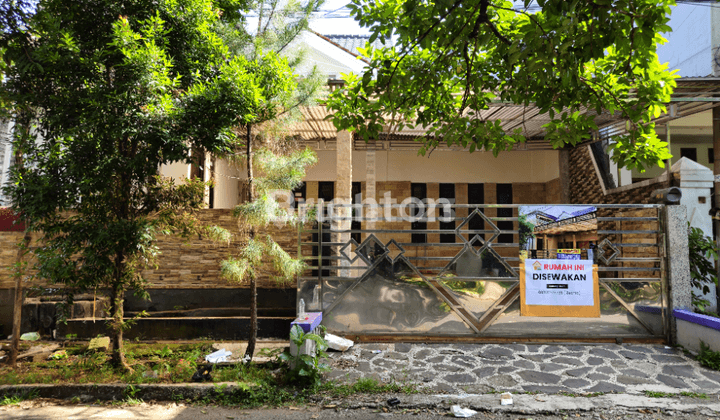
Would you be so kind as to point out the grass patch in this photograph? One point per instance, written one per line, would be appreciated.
(17, 398)
(659, 394)
(581, 394)
(152, 363)
(698, 395)
(368, 386)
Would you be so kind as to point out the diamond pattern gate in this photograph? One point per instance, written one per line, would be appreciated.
(397, 281)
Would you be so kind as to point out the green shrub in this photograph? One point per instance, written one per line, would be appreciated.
(708, 358)
(703, 253)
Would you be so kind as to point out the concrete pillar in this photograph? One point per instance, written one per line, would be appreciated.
(668, 163)
(716, 173)
(696, 180)
(343, 193)
(678, 263)
(370, 188)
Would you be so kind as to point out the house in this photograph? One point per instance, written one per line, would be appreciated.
(532, 173)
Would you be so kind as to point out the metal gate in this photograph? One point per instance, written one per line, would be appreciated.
(452, 271)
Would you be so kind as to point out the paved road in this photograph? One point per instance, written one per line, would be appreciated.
(478, 369)
(51, 410)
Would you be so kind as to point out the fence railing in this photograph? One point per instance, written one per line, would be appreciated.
(452, 269)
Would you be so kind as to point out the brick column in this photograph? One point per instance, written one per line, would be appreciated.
(343, 193)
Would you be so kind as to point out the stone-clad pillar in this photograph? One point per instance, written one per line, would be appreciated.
(678, 263)
(370, 190)
(343, 193)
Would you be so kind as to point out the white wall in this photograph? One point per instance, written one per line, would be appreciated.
(226, 184)
(6, 155)
(689, 47)
(178, 171)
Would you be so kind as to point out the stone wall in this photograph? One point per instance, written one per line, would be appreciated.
(189, 264)
(585, 185)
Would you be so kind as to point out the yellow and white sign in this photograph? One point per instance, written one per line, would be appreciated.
(559, 288)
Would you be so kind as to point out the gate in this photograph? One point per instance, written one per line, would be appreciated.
(453, 270)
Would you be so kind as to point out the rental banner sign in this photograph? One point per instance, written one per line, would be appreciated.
(559, 288)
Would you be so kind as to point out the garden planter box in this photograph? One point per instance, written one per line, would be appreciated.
(693, 328)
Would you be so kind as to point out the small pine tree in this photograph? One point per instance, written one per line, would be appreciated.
(280, 172)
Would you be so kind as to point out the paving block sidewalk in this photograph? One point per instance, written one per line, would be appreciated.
(549, 369)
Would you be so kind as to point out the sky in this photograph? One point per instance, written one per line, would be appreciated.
(334, 18)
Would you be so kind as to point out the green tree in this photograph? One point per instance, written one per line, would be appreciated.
(113, 90)
(525, 231)
(452, 59)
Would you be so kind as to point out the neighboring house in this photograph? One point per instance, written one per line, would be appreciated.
(693, 50)
(6, 156)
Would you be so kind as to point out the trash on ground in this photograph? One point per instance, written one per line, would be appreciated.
(203, 374)
(337, 343)
(392, 402)
(506, 399)
(377, 351)
(58, 355)
(458, 411)
(99, 343)
(31, 336)
(151, 374)
(218, 356)
(39, 352)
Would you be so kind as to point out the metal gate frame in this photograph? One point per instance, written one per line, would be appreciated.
(612, 261)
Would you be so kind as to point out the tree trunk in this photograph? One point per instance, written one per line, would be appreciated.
(19, 298)
(116, 340)
(253, 281)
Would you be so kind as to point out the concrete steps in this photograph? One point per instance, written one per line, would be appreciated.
(181, 328)
(175, 314)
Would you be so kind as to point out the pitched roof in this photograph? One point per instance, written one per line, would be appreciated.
(353, 42)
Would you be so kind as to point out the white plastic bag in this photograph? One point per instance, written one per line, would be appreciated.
(458, 411)
(506, 399)
(218, 356)
(337, 343)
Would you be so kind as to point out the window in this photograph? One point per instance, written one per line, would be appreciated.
(689, 152)
(447, 191)
(356, 224)
(504, 196)
(418, 191)
(299, 195)
(476, 195)
(326, 192)
(711, 155)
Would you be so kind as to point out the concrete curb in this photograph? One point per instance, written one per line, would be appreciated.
(548, 404)
(117, 392)
(522, 403)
